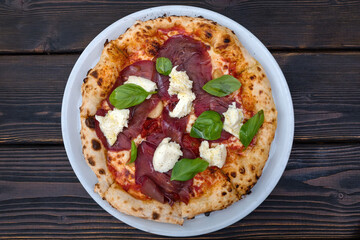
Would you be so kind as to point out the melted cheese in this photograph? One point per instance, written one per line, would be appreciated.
(166, 155)
(216, 156)
(146, 84)
(233, 120)
(181, 85)
(113, 123)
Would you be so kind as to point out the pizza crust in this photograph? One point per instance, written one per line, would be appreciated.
(141, 42)
(219, 195)
(148, 209)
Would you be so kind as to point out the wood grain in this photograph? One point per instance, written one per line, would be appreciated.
(326, 96)
(68, 26)
(318, 196)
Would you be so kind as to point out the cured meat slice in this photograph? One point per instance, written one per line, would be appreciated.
(155, 184)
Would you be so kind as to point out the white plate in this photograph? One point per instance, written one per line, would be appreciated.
(280, 150)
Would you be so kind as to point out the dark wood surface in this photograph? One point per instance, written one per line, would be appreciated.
(317, 45)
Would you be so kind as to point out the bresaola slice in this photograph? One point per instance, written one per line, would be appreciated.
(155, 184)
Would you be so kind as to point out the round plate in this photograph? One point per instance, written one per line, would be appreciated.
(280, 149)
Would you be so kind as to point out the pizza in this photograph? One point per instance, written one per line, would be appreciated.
(177, 119)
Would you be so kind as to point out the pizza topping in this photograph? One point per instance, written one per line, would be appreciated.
(166, 155)
(128, 95)
(113, 123)
(133, 152)
(163, 66)
(181, 85)
(251, 127)
(233, 120)
(155, 184)
(146, 84)
(173, 127)
(216, 156)
(207, 126)
(139, 115)
(222, 86)
(186, 169)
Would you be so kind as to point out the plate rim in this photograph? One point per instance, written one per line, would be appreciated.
(65, 108)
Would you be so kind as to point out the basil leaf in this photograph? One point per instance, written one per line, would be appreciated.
(133, 154)
(251, 127)
(128, 95)
(186, 169)
(222, 86)
(163, 66)
(207, 126)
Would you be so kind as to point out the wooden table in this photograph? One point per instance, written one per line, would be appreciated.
(316, 43)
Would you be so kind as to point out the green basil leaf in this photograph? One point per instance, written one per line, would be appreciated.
(128, 95)
(133, 154)
(207, 126)
(222, 86)
(163, 66)
(186, 169)
(251, 127)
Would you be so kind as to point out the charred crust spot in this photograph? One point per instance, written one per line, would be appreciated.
(257, 177)
(91, 161)
(237, 185)
(208, 34)
(134, 209)
(90, 122)
(233, 32)
(155, 215)
(85, 80)
(242, 170)
(101, 171)
(95, 144)
(260, 92)
(262, 150)
(213, 23)
(207, 214)
(273, 109)
(102, 95)
(200, 17)
(252, 77)
(106, 42)
(99, 82)
(259, 69)
(148, 27)
(94, 74)
(88, 71)
(252, 168)
(223, 193)
(137, 24)
(263, 75)
(233, 174)
(212, 170)
(226, 40)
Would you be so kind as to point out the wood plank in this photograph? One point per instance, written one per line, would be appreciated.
(64, 26)
(318, 196)
(325, 90)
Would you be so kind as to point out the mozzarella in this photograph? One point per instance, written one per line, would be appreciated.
(113, 123)
(179, 82)
(184, 106)
(146, 84)
(216, 156)
(181, 85)
(166, 155)
(233, 120)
